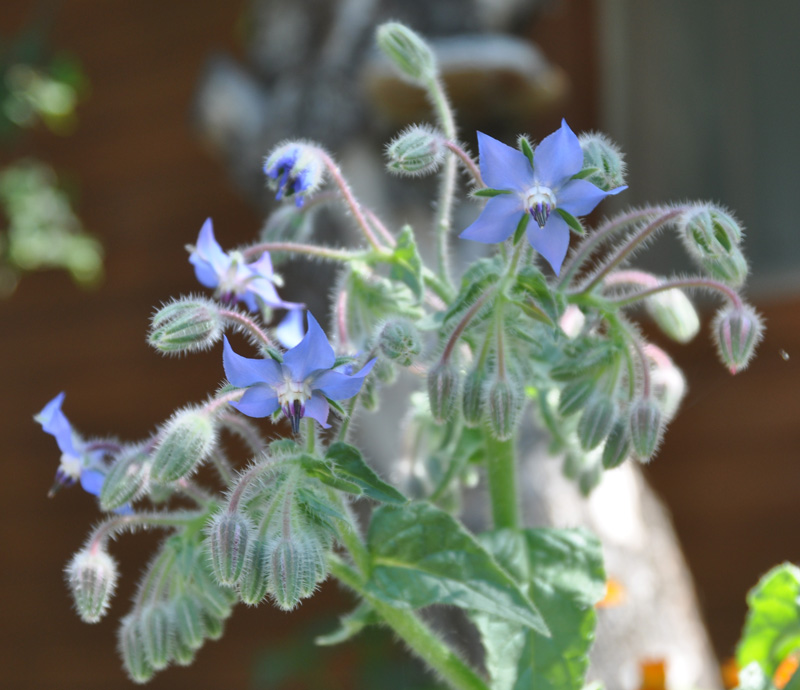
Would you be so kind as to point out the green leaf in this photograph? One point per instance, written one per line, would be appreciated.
(350, 625)
(489, 193)
(476, 280)
(531, 284)
(349, 464)
(562, 571)
(406, 262)
(752, 677)
(421, 555)
(572, 221)
(534, 312)
(314, 467)
(772, 628)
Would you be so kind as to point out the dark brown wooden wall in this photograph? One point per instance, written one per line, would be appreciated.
(727, 469)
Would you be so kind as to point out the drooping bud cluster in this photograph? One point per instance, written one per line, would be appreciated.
(408, 52)
(712, 236)
(737, 332)
(186, 441)
(92, 578)
(416, 152)
(400, 341)
(186, 325)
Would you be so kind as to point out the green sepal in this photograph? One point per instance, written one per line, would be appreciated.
(522, 226)
(586, 172)
(561, 570)
(488, 192)
(422, 555)
(526, 148)
(349, 464)
(319, 469)
(574, 224)
(772, 627)
(533, 311)
(406, 262)
(350, 625)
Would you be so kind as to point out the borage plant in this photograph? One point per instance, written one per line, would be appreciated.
(506, 340)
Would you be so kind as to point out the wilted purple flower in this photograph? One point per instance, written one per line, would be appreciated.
(541, 190)
(79, 460)
(295, 170)
(301, 386)
(234, 279)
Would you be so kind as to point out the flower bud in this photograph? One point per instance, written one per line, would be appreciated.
(590, 477)
(674, 314)
(294, 169)
(127, 479)
(214, 626)
(646, 427)
(399, 340)
(186, 325)
(731, 268)
(600, 153)
(186, 441)
(574, 394)
(228, 535)
(443, 389)
(385, 371)
(295, 567)
(156, 629)
(254, 581)
(504, 402)
(416, 152)
(92, 577)
(132, 651)
(472, 399)
(596, 421)
(408, 52)
(710, 229)
(737, 332)
(189, 625)
(215, 600)
(666, 380)
(618, 444)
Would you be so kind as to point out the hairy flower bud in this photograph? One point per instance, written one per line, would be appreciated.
(296, 565)
(646, 427)
(618, 444)
(596, 421)
(157, 628)
(132, 650)
(186, 441)
(737, 332)
(186, 325)
(443, 388)
(92, 577)
(574, 394)
(590, 477)
(415, 152)
(603, 156)
(127, 479)
(295, 169)
(472, 398)
(504, 402)
(666, 380)
(674, 314)
(190, 628)
(399, 340)
(255, 579)
(408, 52)
(731, 268)
(228, 536)
(712, 236)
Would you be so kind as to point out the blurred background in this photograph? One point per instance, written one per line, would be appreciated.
(174, 106)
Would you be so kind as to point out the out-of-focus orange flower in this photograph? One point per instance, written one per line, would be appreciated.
(654, 674)
(615, 595)
(785, 671)
(730, 673)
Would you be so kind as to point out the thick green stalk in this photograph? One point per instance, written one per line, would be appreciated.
(501, 463)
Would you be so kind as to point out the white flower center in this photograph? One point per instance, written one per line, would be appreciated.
(71, 466)
(292, 396)
(540, 201)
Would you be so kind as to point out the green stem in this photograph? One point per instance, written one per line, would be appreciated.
(314, 250)
(413, 631)
(502, 475)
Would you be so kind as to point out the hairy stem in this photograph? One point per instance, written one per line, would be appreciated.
(501, 462)
(250, 326)
(314, 250)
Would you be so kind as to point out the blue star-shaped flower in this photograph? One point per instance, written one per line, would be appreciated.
(540, 190)
(233, 279)
(300, 387)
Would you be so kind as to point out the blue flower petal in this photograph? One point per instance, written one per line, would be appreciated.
(55, 423)
(243, 371)
(291, 329)
(209, 250)
(262, 267)
(559, 156)
(92, 481)
(339, 386)
(497, 221)
(260, 400)
(501, 166)
(580, 197)
(312, 353)
(317, 407)
(551, 241)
